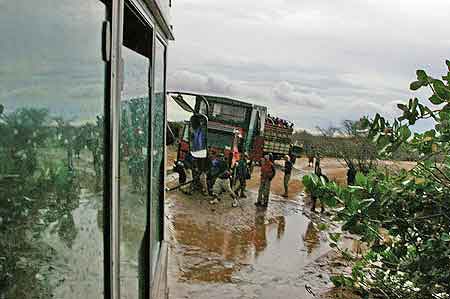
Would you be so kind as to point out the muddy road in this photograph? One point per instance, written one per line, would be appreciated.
(246, 252)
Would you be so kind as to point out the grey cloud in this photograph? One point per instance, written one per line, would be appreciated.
(314, 62)
(286, 93)
(194, 82)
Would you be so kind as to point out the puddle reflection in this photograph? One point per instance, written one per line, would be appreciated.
(312, 237)
(210, 253)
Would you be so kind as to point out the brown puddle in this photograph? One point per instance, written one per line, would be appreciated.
(221, 252)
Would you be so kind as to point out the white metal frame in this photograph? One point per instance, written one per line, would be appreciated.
(116, 79)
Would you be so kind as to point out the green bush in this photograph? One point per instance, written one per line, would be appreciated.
(404, 217)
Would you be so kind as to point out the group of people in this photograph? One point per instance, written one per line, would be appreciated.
(214, 176)
(221, 179)
(279, 122)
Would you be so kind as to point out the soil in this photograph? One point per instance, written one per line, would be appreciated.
(217, 251)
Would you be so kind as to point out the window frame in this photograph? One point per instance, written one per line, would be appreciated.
(157, 37)
(112, 265)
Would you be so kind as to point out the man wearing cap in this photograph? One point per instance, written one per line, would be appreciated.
(267, 174)
(222, 183)
(287, 174)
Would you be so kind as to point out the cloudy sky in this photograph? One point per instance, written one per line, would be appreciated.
(316, 62)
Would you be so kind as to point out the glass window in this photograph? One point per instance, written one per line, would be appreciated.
(158, 133)
(203, 109)
(51, 149)
(225, 112)
(186, 132)
(134, 145)
(220, 139)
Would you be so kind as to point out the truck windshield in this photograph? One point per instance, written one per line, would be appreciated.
(223, 112)
(218, 139)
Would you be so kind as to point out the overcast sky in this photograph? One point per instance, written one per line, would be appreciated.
(316, 62)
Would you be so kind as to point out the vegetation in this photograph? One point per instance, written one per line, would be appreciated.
(46, 162)
(36, 192)
(404, 217)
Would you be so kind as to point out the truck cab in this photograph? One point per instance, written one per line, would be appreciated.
(236, 127)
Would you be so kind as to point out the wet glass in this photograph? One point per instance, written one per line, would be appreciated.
(134, 145)
(158, 130)
(51, 149)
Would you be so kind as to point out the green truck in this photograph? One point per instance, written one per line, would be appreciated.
(235, 127)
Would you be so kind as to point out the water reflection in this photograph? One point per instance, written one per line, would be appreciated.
(312, 237)
(260, 241)
(67, 231)
(134, 152)
(281, 226)
(209, 253)
(41, 188)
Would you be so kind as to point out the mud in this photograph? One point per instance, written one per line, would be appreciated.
(245, 252)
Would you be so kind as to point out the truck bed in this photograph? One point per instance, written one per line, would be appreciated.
(277, 140)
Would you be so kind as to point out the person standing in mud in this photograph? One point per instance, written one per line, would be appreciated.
(182, 178)
(310, 159)
(187, 164)
(267, 174)
(317, 164)
(222, 183)
(213, 171)
(287, 174)
(351, 174)
(242, 175)
(199, 176)
(314, 195)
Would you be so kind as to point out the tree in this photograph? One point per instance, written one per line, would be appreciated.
(403, 216)
(353, 146)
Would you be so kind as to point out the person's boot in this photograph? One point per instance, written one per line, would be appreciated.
(243, 195)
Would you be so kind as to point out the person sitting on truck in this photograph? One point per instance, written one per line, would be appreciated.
(222, 183)
(242, 175)
(287, 173)
(267, 174)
